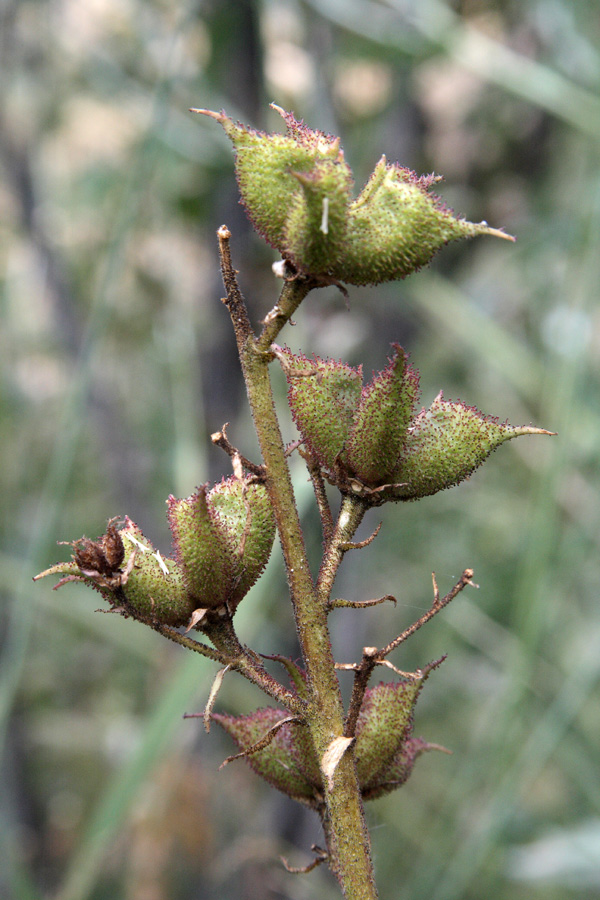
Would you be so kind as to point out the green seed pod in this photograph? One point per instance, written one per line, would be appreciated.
(270, 168)
(445, 444)
(381, 422)
(323, 396)
(154, 587)
(355, 433)
(297, 191)
(396, 226)
(276, 762)
(315, 228)
(244, 517)
(384, 721)
(222, 540)
(200, 550)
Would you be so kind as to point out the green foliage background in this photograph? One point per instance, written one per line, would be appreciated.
(118, 362)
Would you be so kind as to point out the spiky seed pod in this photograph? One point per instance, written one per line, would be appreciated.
(222, 540)
(154, 587)
(315, 227)
(368, 440)
(297, 191)
(246, 521)
(323, 396)
(277, 762)
(270, 169)
(200, 549)
(384, 721)
(395, 226)
(381, 421)
(445, 444)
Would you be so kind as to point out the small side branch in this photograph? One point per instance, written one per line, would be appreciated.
(220, 439)
(321, 856)
(359, 545)
(339, 603)
(437, 605)
(245, 661)
(316, 477)
(351, 515)
(294, 291)
(264, 741)
(373, 657)
(189, 642)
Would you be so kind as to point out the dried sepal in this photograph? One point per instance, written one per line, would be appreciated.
(333, 757)
(130, 574)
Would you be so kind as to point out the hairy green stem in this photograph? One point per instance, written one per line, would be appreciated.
(351, 515)
(347, 834)
(345, 827)
(248, 664)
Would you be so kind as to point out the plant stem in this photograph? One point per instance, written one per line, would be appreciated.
(345, 827)
(351, 515)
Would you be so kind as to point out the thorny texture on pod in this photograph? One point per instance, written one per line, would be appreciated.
(370, 441)
(222, 540)
(297, 190)
(384, 747)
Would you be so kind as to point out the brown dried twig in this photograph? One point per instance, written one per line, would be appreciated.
(373, 657)
(220, 439)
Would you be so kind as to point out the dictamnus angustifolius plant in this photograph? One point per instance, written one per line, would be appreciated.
(363, 445)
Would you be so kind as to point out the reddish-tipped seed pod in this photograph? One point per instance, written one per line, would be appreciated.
(369, 440)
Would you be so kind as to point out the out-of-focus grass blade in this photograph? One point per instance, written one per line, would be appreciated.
(419, 28)
(14, 875)
(521, 739)
(161, 732)
(451, 310)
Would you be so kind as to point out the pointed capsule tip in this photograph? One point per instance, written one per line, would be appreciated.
(496, 232)
(209, 112)
(531, 429)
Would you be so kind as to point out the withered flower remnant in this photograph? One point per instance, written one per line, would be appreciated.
(222, 540)
(130, 573)
(297, 190)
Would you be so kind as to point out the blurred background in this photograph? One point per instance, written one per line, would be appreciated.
(118, 362)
